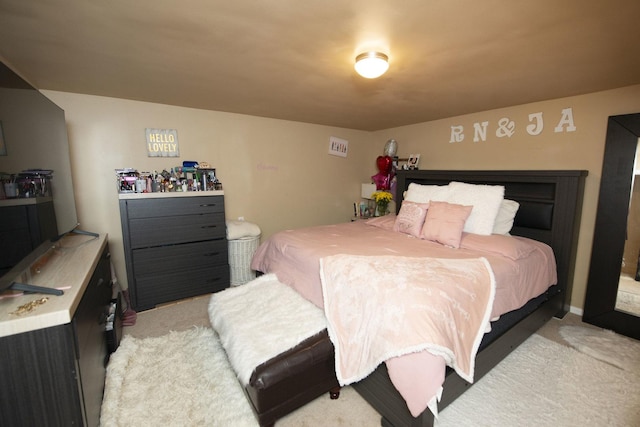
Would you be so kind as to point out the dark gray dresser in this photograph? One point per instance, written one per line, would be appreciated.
(175, 246)
(54, 357)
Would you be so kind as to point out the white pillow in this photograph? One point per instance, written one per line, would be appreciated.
(240, 229)
(486, 201)
(505, 217)
(425, 193)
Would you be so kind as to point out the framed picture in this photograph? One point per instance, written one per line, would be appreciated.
(3, 146)
(413, 161)
(338, 147)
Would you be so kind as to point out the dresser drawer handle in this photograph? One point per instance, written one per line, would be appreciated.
(215, 279)
(206, 205)
(212, 254)
(208, 226)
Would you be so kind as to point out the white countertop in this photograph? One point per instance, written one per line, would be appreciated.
(159, 195)
(69, 265)
(19, 201)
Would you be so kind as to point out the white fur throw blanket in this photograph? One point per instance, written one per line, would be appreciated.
(379, 307)
(261, 319)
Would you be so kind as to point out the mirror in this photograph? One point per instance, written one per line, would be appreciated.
(614, 228)
(34, 135)
(628, 296)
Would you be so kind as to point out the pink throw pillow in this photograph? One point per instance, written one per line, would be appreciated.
(411, 217)
(444, 223)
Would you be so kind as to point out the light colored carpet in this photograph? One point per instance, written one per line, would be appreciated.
(612, 348)
(183, 379)
(575, 390)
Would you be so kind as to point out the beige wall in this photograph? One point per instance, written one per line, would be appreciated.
(278, 174)
(581, 149)
(275, 173)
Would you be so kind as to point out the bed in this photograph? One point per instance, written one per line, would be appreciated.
(549, 212)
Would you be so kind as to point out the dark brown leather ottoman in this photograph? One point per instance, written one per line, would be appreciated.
(293, 378)
(277, 344)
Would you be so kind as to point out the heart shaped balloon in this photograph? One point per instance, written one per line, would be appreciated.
(385, 163)
(381, 181)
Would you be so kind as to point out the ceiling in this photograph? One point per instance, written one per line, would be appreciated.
(293, 60)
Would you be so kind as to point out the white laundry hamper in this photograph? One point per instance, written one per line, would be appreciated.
(243, 238)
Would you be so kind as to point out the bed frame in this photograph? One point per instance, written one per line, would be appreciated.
(550, 211)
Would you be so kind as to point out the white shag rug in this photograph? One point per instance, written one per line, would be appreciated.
(184, 379)
(179, 379)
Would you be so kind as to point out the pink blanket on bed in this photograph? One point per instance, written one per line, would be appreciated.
(522, 268)
(438, 305)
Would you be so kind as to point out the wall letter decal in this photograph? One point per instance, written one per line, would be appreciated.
(535, 128)
(566, 119)
(506, 127)
(457, 134)
(480, 131)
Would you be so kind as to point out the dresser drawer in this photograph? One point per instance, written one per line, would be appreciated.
(160, 288)
(14, 218)
(176, 229)
(187, 256)
(156, 208)
(94, 303)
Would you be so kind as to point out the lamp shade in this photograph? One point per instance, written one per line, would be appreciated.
(367, 190)
(372, 64)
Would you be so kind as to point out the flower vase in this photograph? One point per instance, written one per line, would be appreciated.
(381, 209)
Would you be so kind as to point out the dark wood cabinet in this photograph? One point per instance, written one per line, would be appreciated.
(24, 225)
(175, 246)
(54, 375)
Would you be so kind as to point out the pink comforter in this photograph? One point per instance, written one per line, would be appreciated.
(522, 268)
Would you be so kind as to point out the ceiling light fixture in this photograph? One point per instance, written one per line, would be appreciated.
(372, 64)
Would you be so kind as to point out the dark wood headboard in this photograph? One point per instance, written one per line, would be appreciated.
(550, 207)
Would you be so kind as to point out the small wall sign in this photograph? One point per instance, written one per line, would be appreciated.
(162, 142)
(338, 147)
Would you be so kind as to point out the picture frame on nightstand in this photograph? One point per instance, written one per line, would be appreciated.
(413, 161)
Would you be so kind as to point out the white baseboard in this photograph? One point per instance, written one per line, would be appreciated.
(575, 310)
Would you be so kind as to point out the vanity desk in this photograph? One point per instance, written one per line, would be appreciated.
(53, 349)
